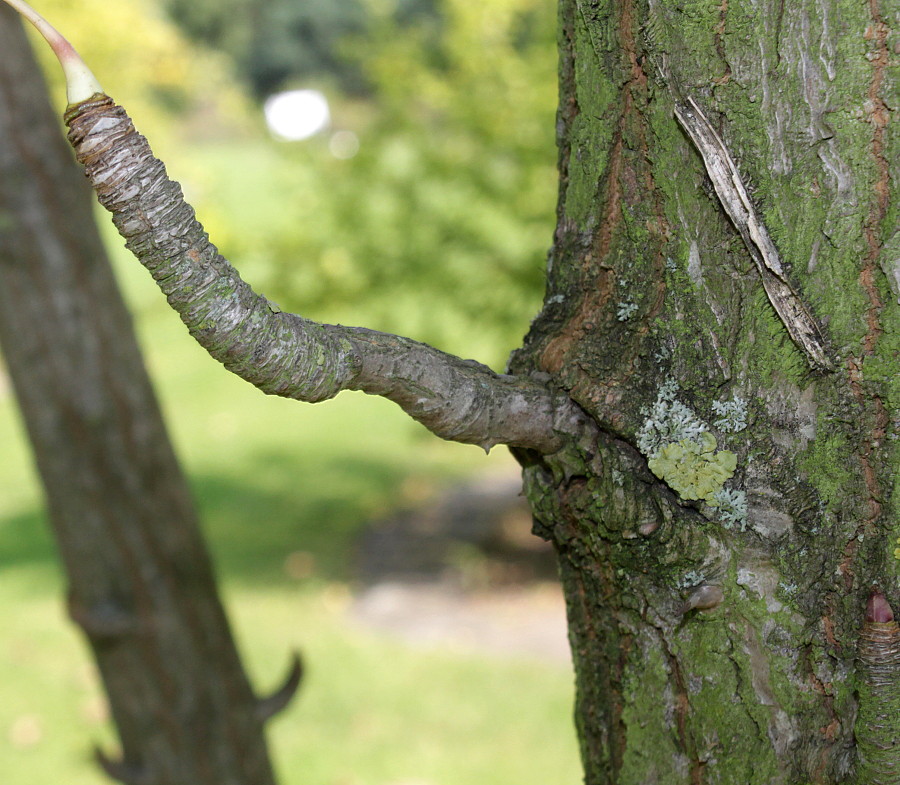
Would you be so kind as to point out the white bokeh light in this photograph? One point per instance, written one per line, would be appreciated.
(296, 114)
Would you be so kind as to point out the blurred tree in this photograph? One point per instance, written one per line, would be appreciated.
(449, 197)
(275, 41)
(141, 585)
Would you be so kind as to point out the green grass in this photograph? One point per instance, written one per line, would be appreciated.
(273, 477)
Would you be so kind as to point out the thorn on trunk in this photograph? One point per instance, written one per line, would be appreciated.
(120, 771)
(266, 708)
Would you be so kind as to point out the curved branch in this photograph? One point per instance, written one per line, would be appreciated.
(285, 354)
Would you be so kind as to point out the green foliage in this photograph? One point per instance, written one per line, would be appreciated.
(439, 226)
(275, 41)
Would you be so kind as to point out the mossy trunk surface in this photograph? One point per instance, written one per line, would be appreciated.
(720, 540)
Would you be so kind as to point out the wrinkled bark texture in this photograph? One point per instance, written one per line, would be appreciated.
(719, 540)
(141, 585)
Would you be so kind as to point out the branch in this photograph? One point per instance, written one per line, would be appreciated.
(282, 353)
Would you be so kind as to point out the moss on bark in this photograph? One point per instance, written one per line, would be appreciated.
(650, 282)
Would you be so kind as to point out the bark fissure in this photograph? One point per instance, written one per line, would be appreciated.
(878, 117)
(720, 44)
(682, 708)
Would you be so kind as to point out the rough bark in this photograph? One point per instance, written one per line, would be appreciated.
(141, 585)
(720, 539)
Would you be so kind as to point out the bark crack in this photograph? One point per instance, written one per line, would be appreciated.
(878, 117)
(682, 707)
(720, 44)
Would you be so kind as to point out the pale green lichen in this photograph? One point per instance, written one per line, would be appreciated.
(694, 469)
(732, 414)
(789, 589)
(682, 452)
(691, 579)
(732, 507)
(625, 310)
(668, 421)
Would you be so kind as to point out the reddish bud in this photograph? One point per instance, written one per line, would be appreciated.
(81, 84)
(878, 610)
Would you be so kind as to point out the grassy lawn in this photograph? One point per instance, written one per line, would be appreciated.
(274, 477)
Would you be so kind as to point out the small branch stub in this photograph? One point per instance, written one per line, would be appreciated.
(878, 717)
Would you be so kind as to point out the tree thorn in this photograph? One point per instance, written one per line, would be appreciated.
(266, 708)
(81, 84)
(120, 771)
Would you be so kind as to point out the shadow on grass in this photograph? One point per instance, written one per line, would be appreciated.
(308, 516)
(290, 519)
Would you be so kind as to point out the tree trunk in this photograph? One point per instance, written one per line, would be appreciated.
(721, 540)
(141, 583)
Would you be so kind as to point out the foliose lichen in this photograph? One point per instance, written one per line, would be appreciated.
(732, 415)
(691, 579)
(668, 421)
(681, 451)
(694, 469)
(625, 310)
(732, 507)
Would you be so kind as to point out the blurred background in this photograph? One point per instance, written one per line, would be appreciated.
(387, 163)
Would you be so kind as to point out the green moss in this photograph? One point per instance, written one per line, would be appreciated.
(767, 345)
(825, 463)
(694, 469)
(729, 735)
(652, 744)
(597, 96)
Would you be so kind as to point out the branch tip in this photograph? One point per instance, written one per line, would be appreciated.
(81, 84)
